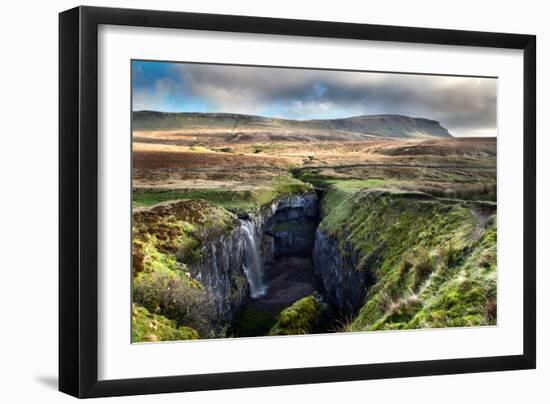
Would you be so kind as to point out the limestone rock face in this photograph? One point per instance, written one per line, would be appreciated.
(293, 223)
(287, 225)
(220, 271)
(344, 281)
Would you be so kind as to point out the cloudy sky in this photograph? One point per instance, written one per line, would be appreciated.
(464, 105)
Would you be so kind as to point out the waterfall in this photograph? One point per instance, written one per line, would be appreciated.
(253, 267)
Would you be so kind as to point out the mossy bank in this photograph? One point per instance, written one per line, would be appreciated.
(395, 260)
(189, 255)
(387, 258)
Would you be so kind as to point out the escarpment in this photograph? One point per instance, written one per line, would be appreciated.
(373, 258)
(269, 129)
(338, 265)
(214, 259)
(220, 270)
(285, 226)
(394, 260)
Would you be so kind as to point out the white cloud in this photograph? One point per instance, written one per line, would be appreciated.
(464, 105)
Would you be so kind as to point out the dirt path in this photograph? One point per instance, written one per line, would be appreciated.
(482, 213)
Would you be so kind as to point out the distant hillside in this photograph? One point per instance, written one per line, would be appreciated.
(354, 128)
(387, 126)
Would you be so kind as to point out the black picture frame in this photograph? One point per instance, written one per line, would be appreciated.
(78, 201)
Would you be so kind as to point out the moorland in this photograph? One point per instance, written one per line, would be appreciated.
(251, 226)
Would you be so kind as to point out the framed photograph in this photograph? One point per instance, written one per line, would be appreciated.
(251, 201)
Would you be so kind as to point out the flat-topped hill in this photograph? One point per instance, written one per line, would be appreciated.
(239, 126)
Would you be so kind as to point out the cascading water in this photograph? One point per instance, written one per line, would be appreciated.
(253, 266)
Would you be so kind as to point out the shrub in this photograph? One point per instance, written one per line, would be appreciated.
(175, 296)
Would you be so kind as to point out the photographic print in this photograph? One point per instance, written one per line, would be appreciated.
(278, 201)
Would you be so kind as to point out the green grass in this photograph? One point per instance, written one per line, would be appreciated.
(339, 191)
(164, 233)
(431, 266)
(303, 317)
(147, 327)
(323, 181)
(232, 200)
(167, 240)
(475, 185)
(235, 201)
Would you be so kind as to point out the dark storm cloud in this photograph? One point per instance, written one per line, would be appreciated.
(466, 106)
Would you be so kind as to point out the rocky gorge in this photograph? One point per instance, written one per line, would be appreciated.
(244, 265)
(326, 261)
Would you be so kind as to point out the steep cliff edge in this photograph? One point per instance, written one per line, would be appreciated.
(393, 259)
(192, 260)
(386, 258)
(220, 270)
(184, 267)
(289, 224)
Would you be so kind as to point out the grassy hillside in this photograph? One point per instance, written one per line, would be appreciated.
(149, 327)
(408, 210)
(166, 240)
(434, 260)
(235, 201)
(394, 126)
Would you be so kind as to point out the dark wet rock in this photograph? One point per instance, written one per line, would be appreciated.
(220, 271)
(285, 226)
(344, 279)
(243, 216)
(292, 224)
